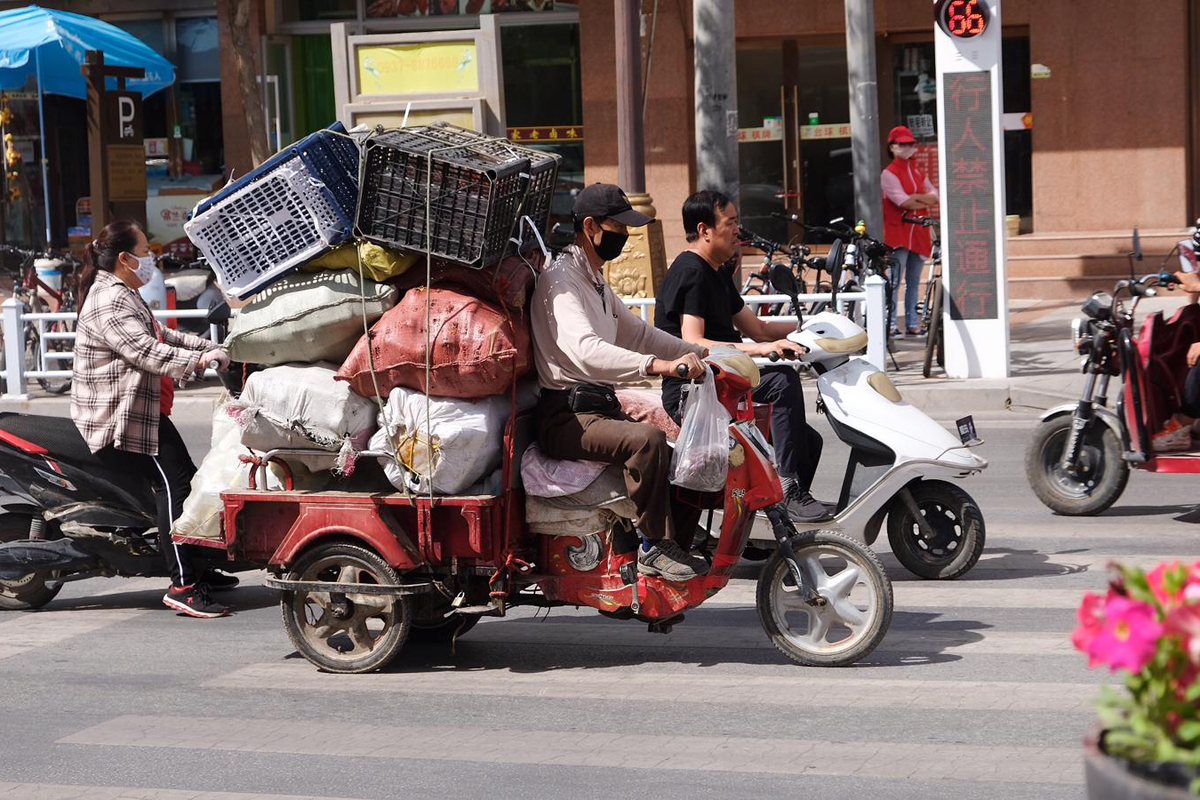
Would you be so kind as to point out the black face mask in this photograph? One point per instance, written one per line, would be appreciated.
(611, 244)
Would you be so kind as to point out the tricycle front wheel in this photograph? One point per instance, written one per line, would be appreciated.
(341, 631)
(850, 612)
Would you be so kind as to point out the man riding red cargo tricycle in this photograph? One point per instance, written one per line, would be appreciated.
(362, 573)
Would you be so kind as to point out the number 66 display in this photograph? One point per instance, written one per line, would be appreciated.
(962, 19)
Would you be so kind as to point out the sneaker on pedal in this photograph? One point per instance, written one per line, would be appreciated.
(803, 507)
(194, 601)
(217, 581)
(667, 559)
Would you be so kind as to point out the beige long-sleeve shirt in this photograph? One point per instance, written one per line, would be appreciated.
(583, 333)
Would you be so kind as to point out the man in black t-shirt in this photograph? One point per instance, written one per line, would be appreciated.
(699, 303)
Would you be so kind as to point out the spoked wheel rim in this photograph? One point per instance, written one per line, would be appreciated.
(1090, 472)
(344, 627)
(849, 606)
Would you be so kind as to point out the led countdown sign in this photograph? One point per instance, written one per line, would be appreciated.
(962, 19)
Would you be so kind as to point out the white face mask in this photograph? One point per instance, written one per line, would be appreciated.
(145, 268)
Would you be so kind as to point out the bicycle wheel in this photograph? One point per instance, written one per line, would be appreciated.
(933, 340)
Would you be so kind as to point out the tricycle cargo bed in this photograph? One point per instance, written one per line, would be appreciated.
(406, 530)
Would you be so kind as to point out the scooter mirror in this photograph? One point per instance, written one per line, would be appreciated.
(833, 264)
(783, 280)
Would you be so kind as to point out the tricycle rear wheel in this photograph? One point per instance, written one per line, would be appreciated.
(851, 613)
(345, 632)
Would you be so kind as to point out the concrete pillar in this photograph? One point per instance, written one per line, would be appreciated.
(716, 96)
(864, 113)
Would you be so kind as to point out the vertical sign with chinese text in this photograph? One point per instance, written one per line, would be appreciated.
(970, 222)
(970, 165)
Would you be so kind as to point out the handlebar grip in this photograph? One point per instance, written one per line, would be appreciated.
(682, 370)
(773, 356)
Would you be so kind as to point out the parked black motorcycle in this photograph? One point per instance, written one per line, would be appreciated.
(65, 517)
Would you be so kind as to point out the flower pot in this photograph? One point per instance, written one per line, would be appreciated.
(1111, 778)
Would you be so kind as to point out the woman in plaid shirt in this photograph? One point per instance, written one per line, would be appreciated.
(123, 361)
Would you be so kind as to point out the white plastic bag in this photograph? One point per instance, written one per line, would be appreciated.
(467, 437)
(701, 457)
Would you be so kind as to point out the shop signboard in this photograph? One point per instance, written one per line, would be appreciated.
(414, 69)
(971, 181)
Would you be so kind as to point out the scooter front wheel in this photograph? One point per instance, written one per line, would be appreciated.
(1097, 479)
(846, 615)
(950, 540)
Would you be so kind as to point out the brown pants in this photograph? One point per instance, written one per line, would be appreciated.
(614, 439)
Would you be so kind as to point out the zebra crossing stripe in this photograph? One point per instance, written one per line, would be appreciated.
(764, 756)
(22, 632)
(637, 685)
(60, 791)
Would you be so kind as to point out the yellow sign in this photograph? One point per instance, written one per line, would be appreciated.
(552, 133)
(126, 172)
(838, 131)
(428, 68)
(392, 119)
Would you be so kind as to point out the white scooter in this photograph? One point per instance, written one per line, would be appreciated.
(901, 461)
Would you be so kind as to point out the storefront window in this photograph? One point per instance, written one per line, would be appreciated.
(198, 54)
(319, 10)
(543, 99)
(422, 8)
(761, 140)
(827, 171)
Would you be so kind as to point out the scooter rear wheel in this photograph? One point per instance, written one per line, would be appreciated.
(957, 528)
(32, 591)
(849, 616)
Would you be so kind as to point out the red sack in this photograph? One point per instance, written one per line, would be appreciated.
(477, 350)
(508, 283)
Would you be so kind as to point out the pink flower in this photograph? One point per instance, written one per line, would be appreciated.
(1130, 635)
(1185, 622)
(1157, 580)
(1091, 623)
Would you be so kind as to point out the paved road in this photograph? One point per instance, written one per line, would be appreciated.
(974, 693)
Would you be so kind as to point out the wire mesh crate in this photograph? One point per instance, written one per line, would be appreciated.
(543, 166)
(471, 193)
(293, 207)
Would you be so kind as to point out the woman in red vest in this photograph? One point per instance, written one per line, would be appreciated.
(906, 188)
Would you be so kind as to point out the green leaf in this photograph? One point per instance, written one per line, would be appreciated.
(1189, 731)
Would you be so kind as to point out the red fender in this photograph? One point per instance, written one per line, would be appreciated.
(361, 522)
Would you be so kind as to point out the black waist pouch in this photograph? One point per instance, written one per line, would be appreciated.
(593, 398)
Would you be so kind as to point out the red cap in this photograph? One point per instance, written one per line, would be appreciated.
(901, 134)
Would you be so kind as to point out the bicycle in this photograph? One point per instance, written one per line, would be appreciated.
(38, 297)
(929, 307)
(759, 281)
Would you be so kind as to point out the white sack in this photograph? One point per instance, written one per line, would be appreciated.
(467, 437)
(302, 406)
(306, 316)
(221, 471)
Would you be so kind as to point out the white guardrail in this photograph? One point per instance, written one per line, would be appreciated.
(870, 303)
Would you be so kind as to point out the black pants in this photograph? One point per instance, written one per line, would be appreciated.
(170, 474)
(1191, 393)
(797, 444)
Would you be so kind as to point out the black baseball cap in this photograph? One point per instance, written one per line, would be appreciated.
(606, 200)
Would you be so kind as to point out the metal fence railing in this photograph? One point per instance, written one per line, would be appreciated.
(868, 306)
(16, 373)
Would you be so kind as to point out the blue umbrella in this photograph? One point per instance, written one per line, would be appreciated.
(53, 44)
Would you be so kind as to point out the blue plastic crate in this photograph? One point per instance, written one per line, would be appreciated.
(296, 205)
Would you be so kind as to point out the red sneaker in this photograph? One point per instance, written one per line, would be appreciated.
(194, 601)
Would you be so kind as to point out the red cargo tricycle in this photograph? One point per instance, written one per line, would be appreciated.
(362, 573)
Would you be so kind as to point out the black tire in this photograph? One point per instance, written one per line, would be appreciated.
(958, 530)
(1102, 475)
(32, 591)
(346, 616)
(779, 602)
(435, 627)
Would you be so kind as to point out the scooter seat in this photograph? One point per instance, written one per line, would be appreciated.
(64, 442)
